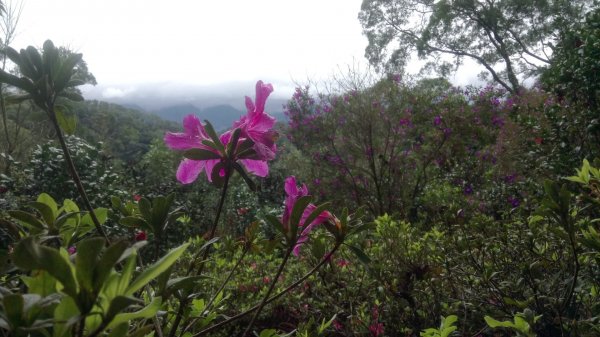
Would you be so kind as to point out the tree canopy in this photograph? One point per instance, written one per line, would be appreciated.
(511, 39)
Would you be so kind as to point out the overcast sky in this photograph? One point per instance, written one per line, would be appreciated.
(132, 43)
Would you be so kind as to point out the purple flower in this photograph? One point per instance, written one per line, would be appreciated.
(437, 120)
(468, 190)
(514, 201)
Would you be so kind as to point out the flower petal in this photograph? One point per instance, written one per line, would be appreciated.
(250, 105)
(256, 167)
(262, 93)
(188, 170)
(179, 141)
(193, 127)
(209, 165)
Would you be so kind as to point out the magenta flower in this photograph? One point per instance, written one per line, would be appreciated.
(255, 128)
(376, 329)
(257, 125)
(293, 194)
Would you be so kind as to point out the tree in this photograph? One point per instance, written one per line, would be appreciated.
(511, 39)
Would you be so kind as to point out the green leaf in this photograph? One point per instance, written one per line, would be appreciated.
(13, 309)
(66, 315)
(86, 259)
(66, 71)
(147, 312)
(41, 283)
(200, 154)
(492, 323)
(156, 269)
(120, 330)
(145, 208)
(232, 145)
(68, 123)
(275, 223)
(362, 257)
(268, 333)
(213, 135)
(28, 255)
(48, 200)
(112, 255)
(242, 172)
(297, 212)
(45, 211)
(132, 221)
(27, 219)
(119, 304)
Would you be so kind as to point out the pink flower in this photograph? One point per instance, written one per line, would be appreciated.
(137, 197)
(337, 325)
(343, 263)
(293, 194)
(256, 126)
(72, 250)
(376, 329)
(140, 236)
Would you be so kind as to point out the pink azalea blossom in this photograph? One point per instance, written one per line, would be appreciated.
(294, 192)
(376, 329)
(256, 126)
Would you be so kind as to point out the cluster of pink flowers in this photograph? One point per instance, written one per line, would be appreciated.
(256, 126)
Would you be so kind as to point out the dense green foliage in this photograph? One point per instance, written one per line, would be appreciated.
(442, 211)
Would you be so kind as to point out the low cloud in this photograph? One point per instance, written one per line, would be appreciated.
(113, 92)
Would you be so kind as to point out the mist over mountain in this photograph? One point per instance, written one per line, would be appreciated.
(220, 104)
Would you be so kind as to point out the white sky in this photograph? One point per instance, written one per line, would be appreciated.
(131, 42)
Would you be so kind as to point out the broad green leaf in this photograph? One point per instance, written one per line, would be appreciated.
(111, 256)
(145, 208)
(88, 252)
(40, 282)
(65, 314)
(492, 323)
(119, 330)
(45, 211)
(13, 309)
(132, 221)
(27, 219)
(147, 312)
(119, 304)
(153, 271)
(48, 200)
(28, 255)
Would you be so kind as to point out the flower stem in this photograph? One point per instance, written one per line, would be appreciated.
(184, 301)
(227, 279)
(271, 287)
(278, 295)
(75, 175)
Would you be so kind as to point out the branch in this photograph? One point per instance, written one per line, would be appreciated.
(525, 50)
